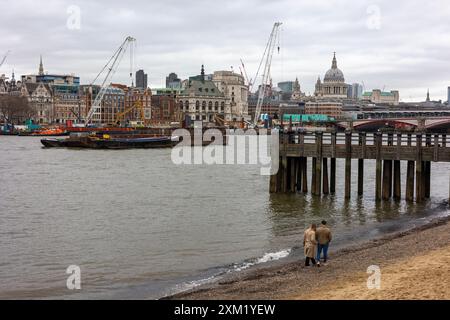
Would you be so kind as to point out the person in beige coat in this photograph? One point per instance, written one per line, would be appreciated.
(310, 244)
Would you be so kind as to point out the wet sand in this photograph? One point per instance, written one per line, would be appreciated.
(414, 265)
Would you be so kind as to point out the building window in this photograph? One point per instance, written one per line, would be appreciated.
(216, 106)
(222, 106)
(210, 106)
(197, 105)
(203, 105)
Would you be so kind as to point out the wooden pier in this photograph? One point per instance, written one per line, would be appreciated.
(419, 150)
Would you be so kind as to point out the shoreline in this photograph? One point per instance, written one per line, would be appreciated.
(418, 251)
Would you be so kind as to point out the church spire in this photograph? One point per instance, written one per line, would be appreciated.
(13, 80)
(334, 64)
(428, 95)
(202, 73)
(296, 85)
(41, 67)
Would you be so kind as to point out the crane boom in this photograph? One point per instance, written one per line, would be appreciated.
(249, 81)
(268, 53)
(4, 58)
(112, 65)
(137, 105)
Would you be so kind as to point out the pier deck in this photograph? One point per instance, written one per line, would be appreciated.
(388, 149)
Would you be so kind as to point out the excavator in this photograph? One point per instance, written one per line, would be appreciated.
(219, 120)
(224, 123)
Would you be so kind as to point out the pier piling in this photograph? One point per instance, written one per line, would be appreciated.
(299, 171)
(326, 189)
(313, 176)
(419, 170)
(397, 180)
(319, 141)
(378, 141)
(360, 177)
(305, 175)
(410, 181)
(292, 174)
(348, 164)
(333, 175)
(387, 179)
(362, 143)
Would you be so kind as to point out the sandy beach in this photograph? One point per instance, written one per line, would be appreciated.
(414, 265)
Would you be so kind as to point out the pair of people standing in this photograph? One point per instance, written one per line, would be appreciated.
(315, 241)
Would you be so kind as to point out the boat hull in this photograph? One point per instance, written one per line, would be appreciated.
(51, 143)
(125, 143)
(109, 143)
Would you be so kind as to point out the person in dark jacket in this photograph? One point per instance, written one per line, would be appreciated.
(323, 237)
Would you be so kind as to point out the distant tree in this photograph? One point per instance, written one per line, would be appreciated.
(15, 109)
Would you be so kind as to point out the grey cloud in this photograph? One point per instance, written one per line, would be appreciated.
(409, 52)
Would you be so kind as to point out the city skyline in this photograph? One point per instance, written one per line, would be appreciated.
(384, 45)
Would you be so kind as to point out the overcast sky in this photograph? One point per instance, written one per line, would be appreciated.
(402, 45)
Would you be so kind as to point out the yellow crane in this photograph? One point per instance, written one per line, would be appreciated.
(136, 105)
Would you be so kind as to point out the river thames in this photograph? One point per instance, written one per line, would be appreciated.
(140, 226)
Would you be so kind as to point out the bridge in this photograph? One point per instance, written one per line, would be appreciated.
(441, 124)
(388, 149)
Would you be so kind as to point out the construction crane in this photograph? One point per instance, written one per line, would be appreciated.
(137, 105)
(4, 58)
(76, 114)
(249, 81)
(111, 67)
(267, 57)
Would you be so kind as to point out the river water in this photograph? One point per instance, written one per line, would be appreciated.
(140, 226)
